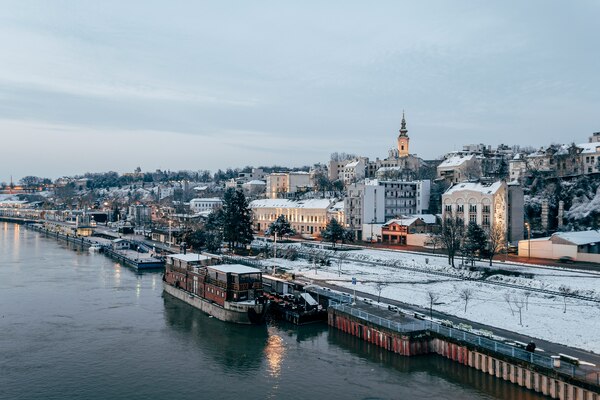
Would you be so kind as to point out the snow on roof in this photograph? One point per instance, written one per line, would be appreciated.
(211, 199)
(235, 269)
(13, 202)
(475, 187)
(456, 160)
(284, 203)
(385, 169)
(255, 182)
(427, 218)
(188, 257)
(201, 188)
(589, 148)
(339, 206)
(352, 164)
(402, 221)
(517, 157)
(580, 238)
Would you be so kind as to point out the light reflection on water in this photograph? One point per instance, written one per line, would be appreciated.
(104, 331)
(275, 352)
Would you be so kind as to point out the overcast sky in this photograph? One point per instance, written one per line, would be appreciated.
(112, 85)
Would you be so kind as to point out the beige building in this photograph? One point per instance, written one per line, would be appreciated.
(307, 217)
(487, 205)
(287, 184)
(459, 167)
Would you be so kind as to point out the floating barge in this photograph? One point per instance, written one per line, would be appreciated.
(229, 292)
(290, 303)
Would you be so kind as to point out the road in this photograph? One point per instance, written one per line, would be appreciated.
(498, 259)
(549, 347)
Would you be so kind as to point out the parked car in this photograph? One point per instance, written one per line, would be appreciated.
(566, 260)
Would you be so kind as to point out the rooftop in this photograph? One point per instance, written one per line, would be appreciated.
(235, 269)
(580, 238)
(456, 160)
(475, 187)
(589, 148)
(189, 257)
(402, 221)
(211, 199)
(284, 203)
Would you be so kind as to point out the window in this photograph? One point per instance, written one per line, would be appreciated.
(486, 220)
(448, 208)
(460, 208)
(473, 218)
(472, 208)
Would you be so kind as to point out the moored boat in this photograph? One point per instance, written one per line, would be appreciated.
(95, 248)
(229, 292)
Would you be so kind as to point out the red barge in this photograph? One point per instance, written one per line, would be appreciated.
(229, 292)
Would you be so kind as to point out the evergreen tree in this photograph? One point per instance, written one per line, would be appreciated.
(475, 241)
(335, 232)
(237, 219)
(280, 227)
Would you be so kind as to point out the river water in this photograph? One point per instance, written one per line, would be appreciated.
(76, 325)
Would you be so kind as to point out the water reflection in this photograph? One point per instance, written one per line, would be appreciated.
(274, 352)
(433, 365)
(235, 348)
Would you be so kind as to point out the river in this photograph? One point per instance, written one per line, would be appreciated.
(76, 325)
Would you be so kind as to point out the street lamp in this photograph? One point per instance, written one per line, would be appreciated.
(528, 226)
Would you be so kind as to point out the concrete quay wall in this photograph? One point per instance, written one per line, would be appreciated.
(541, 380)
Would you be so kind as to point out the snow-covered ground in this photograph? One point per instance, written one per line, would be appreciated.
(408, 277)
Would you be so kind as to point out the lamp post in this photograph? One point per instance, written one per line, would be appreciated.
(528, 226)
(372, 222)
(169, 233)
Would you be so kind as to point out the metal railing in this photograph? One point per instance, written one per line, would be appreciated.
(338, 297)
(414, 326)
(583, 373)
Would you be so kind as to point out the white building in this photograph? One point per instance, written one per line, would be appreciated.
(374, 202)
(590, 155)
(487, 205)
(206, 204)
(354, 171)
(287, 184)
(517, 167)
(576, 246)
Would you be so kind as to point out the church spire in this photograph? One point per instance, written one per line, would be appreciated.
(403, 130)
(403, 139)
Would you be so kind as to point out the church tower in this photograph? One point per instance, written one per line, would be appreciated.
(403, 139)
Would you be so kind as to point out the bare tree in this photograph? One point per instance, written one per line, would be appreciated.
(527, 294)
(495, 237)
(451, 237)
(342, 256)
(565, 291)
(519, 303)
(466, 295)
(432, 297)
(379, 286)
(435, 240)
(507, 298)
